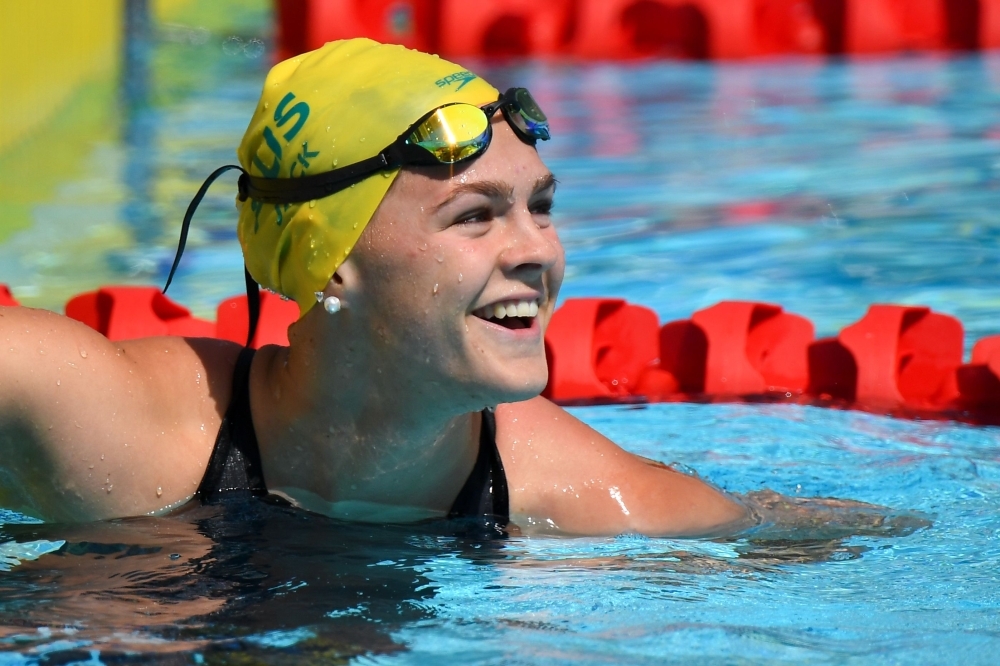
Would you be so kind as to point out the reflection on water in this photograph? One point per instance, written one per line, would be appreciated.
(247, 577)
(268, 582)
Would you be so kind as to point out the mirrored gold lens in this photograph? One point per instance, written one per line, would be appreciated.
(453, 133)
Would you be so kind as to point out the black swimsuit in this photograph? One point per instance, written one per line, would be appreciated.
(234, 470)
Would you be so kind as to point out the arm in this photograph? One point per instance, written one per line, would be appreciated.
(95, 429)
(562, 470)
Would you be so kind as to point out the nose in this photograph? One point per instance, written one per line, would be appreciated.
(531, 249)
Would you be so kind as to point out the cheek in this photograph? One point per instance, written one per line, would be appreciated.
(558, 270)
(429, 287)
(458, 274)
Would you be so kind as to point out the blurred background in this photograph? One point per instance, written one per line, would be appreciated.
(819, 154)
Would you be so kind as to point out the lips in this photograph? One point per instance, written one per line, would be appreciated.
(512, 314)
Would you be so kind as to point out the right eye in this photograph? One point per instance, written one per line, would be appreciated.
(542, 207)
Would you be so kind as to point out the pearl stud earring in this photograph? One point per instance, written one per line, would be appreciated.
(331, 304)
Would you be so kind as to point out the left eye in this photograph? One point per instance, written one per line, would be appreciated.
(475, 217)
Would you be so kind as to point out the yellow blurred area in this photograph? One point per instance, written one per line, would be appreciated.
(54, 55)
(48, 48)
(59, 76)
(168, 10)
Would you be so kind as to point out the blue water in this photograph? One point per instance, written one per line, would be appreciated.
(819, 186)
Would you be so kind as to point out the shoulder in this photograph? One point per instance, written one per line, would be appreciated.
(541, 437)
(92, 428)
(564, 474)
(46, 355)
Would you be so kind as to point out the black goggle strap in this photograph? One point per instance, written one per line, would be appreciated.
(316, 186)
(192, 207)
(253, 289)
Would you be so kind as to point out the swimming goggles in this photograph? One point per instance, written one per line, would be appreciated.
(450, 134)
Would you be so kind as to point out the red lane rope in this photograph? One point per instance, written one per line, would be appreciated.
(898, 359)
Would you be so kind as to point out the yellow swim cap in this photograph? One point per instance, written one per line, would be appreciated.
(322, 110)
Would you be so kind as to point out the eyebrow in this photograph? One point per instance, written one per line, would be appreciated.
(545, 182)
(496, 190)
(488, 188)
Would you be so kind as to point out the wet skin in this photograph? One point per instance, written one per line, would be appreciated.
(369, 414)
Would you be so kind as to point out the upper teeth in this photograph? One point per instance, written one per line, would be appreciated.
(508, 309)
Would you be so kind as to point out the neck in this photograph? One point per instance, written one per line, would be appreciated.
(343, 434)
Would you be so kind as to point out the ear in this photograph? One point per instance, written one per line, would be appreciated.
(345, 283)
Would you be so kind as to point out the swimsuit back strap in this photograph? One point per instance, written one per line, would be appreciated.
(235, 467)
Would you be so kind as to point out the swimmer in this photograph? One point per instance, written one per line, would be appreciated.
(400, 201)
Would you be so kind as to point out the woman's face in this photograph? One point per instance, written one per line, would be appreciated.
(447, 252)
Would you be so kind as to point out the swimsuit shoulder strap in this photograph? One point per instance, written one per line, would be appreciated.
(485, 494)
(234, 466)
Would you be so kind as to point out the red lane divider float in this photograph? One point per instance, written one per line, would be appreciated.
(979, 382)
(897, 359)
(276, 315)
(512, 27)
(304, 25)
(126, 313)
(6, 298)
(625, 29)
(905, 356)
(597, 348)
(903, 360)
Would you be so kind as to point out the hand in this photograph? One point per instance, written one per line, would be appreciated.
(780, 517)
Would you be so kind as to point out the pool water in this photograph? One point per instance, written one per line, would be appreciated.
(821, 186)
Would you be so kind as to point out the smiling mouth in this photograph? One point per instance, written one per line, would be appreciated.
(513, 315)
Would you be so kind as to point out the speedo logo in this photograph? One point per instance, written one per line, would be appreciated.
(458, 77)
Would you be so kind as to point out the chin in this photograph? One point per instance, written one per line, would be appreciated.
(516, 382)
